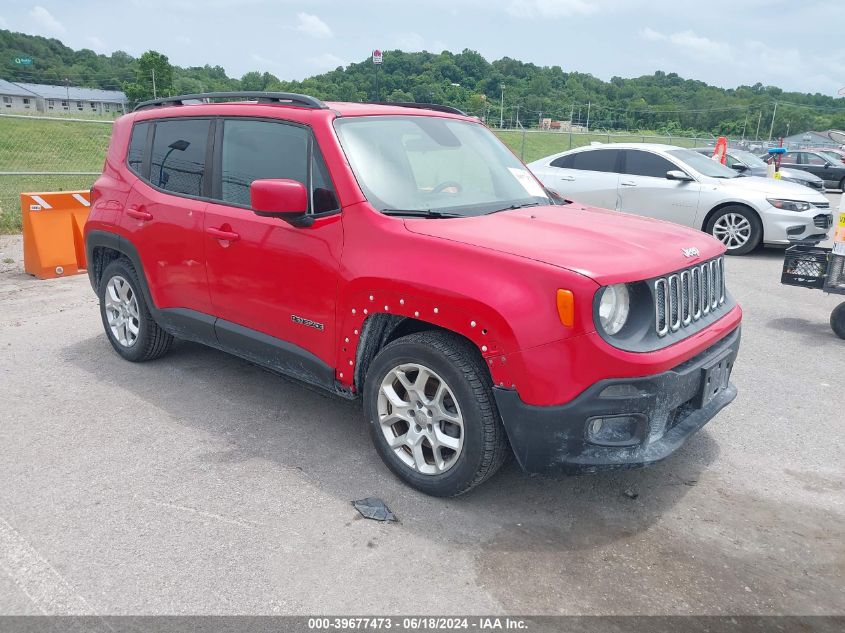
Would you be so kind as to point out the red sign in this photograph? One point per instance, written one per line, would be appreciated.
(377, 57)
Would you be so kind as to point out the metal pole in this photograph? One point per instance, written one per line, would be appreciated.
(744, 124)
(502, 108)
(772, 126)
(757, 133)
(589, 105)
(517, 113)
(155, 95)
(571, 113)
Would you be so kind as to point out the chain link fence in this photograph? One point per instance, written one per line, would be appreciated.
(43, 153)
(47, 154)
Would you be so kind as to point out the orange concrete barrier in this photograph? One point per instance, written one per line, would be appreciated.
(52, 232)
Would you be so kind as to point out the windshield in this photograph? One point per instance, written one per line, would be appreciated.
(702, 164)
(747, 158)
(432, 164)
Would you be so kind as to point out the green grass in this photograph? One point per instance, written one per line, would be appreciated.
(38, 145)
(540, 144)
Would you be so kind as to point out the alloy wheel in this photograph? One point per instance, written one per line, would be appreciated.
(122, 311)
(733, 230)
(420, 419)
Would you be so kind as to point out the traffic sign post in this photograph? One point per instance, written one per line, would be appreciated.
(378, 58)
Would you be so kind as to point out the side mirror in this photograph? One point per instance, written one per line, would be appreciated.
(677, 174)
(280, 198)
(739, 167)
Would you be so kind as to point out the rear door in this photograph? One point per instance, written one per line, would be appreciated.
(272, 278)
(163, 216)
(589, 176)
(645, 190)
(819, 165)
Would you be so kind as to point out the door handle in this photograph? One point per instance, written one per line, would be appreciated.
(570, 178)
(628, 183)
(220, 234)
(139, 214)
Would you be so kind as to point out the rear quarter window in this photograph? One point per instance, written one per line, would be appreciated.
(137, 148)
(177, 163)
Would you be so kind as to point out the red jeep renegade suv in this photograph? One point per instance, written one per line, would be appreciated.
(401, 253)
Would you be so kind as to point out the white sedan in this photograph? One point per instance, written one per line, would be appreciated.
(682, 186)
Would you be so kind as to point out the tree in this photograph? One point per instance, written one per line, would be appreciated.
(153, 78)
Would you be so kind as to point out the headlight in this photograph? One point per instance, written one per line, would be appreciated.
(614, 306)
(789, 205)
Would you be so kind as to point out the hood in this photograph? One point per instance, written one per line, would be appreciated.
(606, 246)
(769, 187)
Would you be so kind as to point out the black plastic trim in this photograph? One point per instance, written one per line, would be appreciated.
(550, 438)
(279, 98)
(436, 107)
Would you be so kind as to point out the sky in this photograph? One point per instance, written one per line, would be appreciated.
(793, 44)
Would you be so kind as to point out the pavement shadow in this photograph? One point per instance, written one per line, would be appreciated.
(261, 415)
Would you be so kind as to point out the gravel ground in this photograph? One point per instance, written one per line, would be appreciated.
(201, 484)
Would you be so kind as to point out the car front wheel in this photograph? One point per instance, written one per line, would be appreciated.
(429, 402)
(738, 228)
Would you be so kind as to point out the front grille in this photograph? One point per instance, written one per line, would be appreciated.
(824, 221)
(821, 205)
(689, 295)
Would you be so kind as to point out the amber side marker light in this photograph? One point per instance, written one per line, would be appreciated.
(566, 307)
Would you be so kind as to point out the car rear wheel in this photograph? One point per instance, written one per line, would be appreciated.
(738, 228)
(429, 401)
(841, 186)
(129, 325)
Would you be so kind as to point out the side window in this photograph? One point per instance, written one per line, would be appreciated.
(730, 161)
(178, 159)
(790, 157)
(255, 150)
(563, 161)
(596, 160)
(638, 163)
(814, 159)
(137, 148)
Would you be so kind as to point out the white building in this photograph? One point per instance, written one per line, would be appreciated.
(23, 97)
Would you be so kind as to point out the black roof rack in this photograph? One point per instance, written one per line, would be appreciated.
(422, 106)
(283, 98)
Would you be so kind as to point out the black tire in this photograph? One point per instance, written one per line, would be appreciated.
(458, 363)
(841, 186)
(151, 341)
(837, 320)
(754, 238)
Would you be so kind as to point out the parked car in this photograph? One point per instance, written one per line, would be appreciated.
(830, 170)
(682, 186)
(402, 255)
(747, 164)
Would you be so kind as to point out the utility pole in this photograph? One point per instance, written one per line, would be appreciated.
(540, 120)
(502, 108)
(155, 95)
(517, 114)
(772, 126)
(571, 114)
(757, 133)
(589, 105)
(744, 124)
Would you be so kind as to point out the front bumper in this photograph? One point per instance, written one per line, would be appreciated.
(783, 227)
(667, 407)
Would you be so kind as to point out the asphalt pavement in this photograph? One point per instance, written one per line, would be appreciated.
(199, 483)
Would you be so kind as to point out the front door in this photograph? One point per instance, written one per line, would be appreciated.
(588, 177)
(271, 277)
(645, 190)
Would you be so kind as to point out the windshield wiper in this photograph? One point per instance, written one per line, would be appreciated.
(515, 206)
(421, 213)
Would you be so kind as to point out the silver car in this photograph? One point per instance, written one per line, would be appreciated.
(682, 186)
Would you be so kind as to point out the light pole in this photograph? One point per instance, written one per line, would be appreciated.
(502, 108)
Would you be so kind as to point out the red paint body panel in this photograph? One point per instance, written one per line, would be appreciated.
(492, 279)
